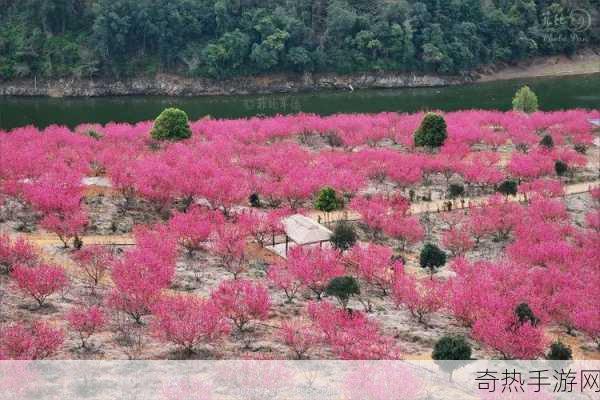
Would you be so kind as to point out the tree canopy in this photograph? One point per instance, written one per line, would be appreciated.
(223, 38)
(171, 124)
(525, 100)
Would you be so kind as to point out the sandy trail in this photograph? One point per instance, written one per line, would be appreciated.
(44, 238)
(439, 205)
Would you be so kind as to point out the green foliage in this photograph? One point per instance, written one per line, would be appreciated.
(431, 257)
(343, 287)
(559, 351)
(580, 148)
(94, 134)
(508, 187)
(525, 100)
(525, 314)
(455, 190)
(77, 243)
(432, 132)
(451, 348)
(344, 236)
(171, 124)
(561, 168)
(327, 200)
(226, 55)
(547, 141)
(254, 200)
(218, 39)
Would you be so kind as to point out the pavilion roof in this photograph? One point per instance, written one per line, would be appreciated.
(303, 230)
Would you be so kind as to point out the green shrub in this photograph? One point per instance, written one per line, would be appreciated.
(525, 100)
(525, 314)
(432, 132)
(94, 134)
(343, 287)
(559, 351)
(561, 168)
(171, 124)
(547, 141)
(334, 140)
(580, 148)
(431, 257)
(254, 200)
(327, 200)
(451, 348)
(344, 236)
(455, 190)
(508, 187)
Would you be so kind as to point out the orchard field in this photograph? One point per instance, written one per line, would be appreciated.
(115, 244)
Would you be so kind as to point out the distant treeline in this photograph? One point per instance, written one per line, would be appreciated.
(224, 38)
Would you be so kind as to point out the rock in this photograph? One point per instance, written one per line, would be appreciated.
(173, 85)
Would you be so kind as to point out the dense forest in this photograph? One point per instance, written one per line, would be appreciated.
(224, 38)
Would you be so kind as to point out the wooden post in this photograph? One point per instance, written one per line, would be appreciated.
(286, 245)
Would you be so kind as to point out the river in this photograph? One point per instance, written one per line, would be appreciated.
(554, 94)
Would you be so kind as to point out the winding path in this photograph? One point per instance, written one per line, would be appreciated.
(439, 205)
(45, 239)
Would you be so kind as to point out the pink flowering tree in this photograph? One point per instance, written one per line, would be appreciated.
(263, 226)
(314, 267)
(242, 301)
(510, 337)
(93, 263)
(299, 336)
(67, 226)
(530, 166)
(35, 342)
(381, 213)
(585, 316)
(458, 239)
(86, 322)
(351, 335)
(194, 227)
(487, 296)
(481, 169)
(544, 187)
(226, 187)
(188, 321)
(420, 297)
(280, 276)
(497, 217)
(58, 198)
(373, 264)
(18, 252)
(382, 381)
(41, 281)
(143, 272)
(407, 231)
(137, 286)
(230, 246)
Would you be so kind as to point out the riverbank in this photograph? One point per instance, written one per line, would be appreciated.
(580, 64)
(173, 85)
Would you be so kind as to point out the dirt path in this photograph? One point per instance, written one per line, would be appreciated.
(44, 239)
(439, 205)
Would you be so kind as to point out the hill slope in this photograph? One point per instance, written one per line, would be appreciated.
(227, 38)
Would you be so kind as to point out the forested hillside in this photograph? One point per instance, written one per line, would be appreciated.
(223, 38)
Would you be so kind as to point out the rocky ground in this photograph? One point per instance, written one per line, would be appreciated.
(200, 273)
